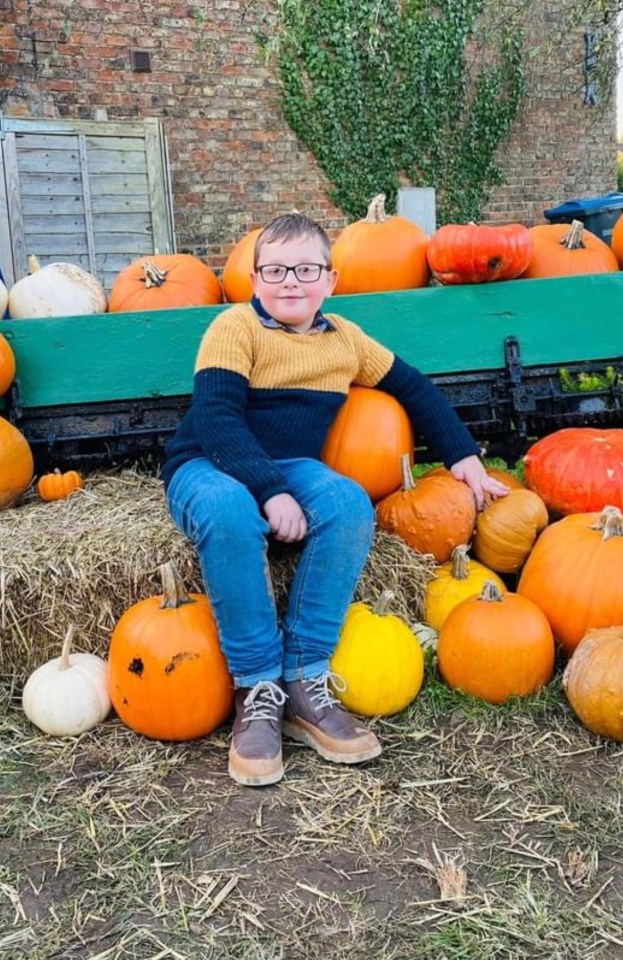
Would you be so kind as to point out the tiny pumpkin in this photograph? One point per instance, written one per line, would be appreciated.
(593, 681)
(433, 515)
(58, 486)
(168, 678)
(367, 438)
(68, 695)
(379, 659)
(380, 252)
(507, 528)
(496, 646)
(453, 582)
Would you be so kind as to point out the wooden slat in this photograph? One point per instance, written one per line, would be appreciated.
(52, 206)
(86, 194)
(49, 161)
(55, 223)
(118, 129)
(6, 247)
(439, 330)
(161, 221)
(118, 162)
(11, 173)
(103, 141)
(118, 184)
(50, 185)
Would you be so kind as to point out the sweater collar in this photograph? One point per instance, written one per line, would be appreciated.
(321, 321)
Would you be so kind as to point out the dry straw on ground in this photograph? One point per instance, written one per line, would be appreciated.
(84, 560)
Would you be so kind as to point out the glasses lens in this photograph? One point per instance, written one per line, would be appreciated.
(272, 272)
(307, 272)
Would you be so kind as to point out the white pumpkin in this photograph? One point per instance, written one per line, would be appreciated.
(4, 298)
(57, 290)
(69, 694)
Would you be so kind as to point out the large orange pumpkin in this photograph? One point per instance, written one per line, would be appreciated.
(593, 681)
(7, 365)
(380, 252)
(577, 469)
(574, 574)
(433, 515)
(367, 438)
(496, 646)
(237, 285)
(16, 464)
(478, 253)
(616, 241)
(164, 281)
(562, 249)
(167, 675)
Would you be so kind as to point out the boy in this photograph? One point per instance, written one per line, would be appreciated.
(244, 465)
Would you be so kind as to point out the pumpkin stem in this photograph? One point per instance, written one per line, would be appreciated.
(460, 562)
(33, 264)
(574, 239)
(408, 483)
(173, 591)
(381, 605)
(153, 276)
(491, 592)
(610, 522)
(376, 210)
(64, 663)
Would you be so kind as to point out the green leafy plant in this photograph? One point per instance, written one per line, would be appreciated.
(382, 93)
(588, 382)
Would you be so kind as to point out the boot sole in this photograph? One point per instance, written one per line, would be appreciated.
(309, 737)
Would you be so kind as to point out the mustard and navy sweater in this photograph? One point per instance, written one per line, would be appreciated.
(263, 393)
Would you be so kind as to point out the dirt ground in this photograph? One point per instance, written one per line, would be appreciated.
(481, 833)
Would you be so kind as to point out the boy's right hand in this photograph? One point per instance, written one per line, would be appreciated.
(286, 519)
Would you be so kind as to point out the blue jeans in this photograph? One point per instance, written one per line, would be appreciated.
(230, 534)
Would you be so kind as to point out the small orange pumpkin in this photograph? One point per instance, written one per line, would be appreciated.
(164, 281)
(7, 365)
(57, 485)
(593, 681)
(367, 438)
(507, 528)
(380, 252)
(237, 285)
(168, 678)
(504, 476)
(562, 250)
(433, 515)
(496, 646)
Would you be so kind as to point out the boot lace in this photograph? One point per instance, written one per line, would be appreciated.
(262, 701)
(321, 694)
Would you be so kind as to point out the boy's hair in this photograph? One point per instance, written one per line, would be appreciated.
(290, 226)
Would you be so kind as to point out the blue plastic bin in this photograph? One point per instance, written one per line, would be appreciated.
(598, 214)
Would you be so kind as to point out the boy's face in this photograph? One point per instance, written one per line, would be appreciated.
(291, 301)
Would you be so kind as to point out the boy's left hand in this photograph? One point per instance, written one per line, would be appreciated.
(472, 471)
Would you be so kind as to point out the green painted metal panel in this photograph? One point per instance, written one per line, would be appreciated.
(439, 329)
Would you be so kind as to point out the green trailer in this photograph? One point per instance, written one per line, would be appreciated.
(517, 359)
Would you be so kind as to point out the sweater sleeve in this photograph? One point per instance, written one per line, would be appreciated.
(432, 416)
(219, 411)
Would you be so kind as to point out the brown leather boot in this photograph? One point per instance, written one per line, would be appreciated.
(314, 717)
(255, 751)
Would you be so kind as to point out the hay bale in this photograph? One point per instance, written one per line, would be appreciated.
(86, 559)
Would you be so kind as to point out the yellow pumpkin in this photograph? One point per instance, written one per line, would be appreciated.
(454, 581)
(379, 659)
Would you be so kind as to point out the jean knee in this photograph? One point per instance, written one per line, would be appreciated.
(349, 502)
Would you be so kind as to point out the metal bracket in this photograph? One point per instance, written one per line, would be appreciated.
(521, 396)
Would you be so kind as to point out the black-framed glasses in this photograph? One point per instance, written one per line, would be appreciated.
(304, 272)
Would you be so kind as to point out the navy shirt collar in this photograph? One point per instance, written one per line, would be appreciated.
(321, 321)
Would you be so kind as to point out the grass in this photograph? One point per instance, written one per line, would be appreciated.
(481, 833)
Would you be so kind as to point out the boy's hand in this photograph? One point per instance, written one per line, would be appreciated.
(471, 471)
(285, 517)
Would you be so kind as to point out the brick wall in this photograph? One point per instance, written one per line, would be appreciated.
(234, 161)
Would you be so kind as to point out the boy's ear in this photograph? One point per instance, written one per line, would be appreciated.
(332, 279)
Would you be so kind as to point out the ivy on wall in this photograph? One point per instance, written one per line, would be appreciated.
(385, 92)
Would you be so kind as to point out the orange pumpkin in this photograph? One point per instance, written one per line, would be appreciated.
(16, 464)
(593, 681)
(507, 528)
(433, 515)
(496, 646)
(367, 438)
(167, 675)
(478, 253)
(237, 285)
(164, 281)
(616, 241)
(562, 250)
(380, 252)
(577, 469)
(57, 485)
(7, 365)
(574, 574)
(504, 476)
